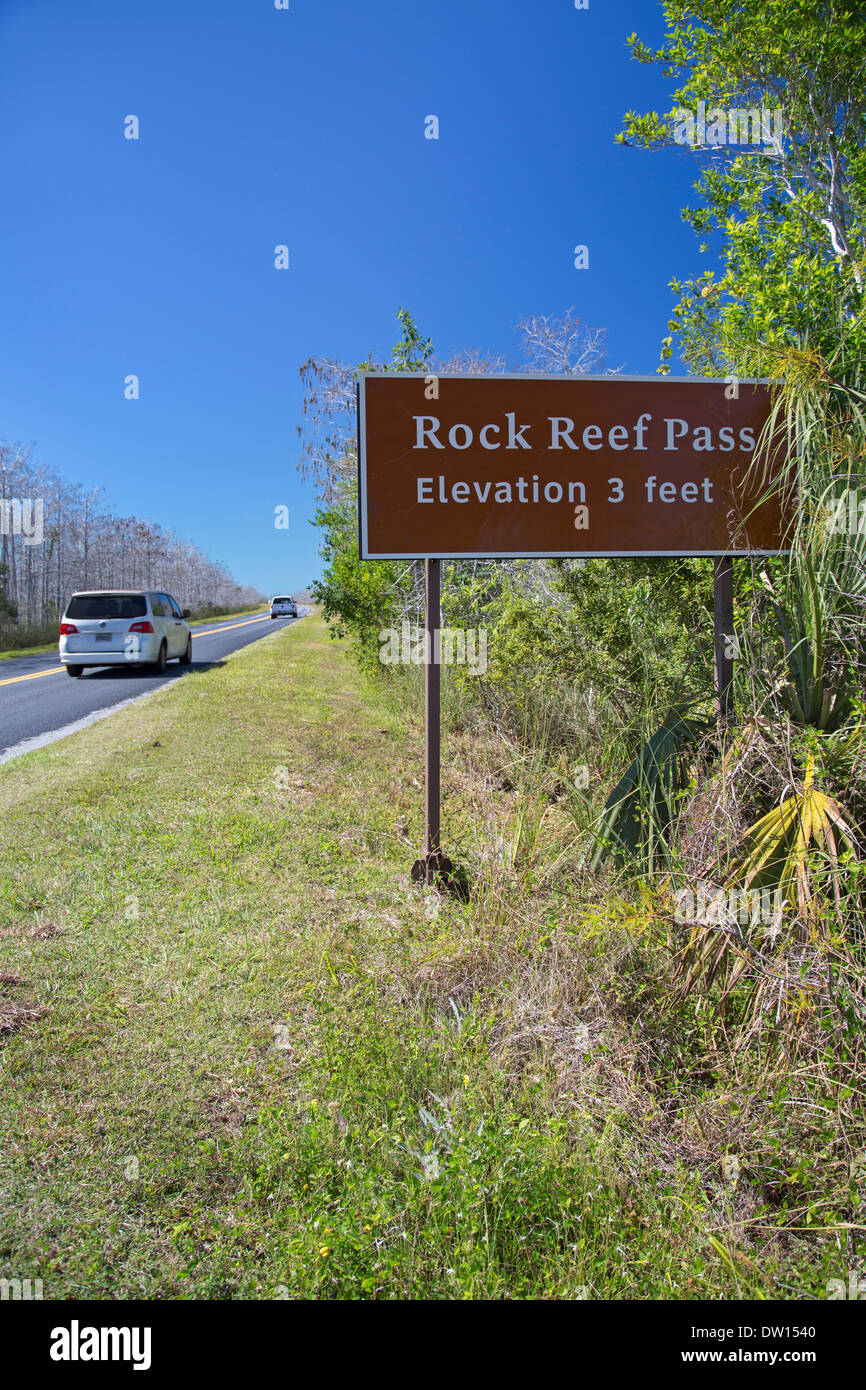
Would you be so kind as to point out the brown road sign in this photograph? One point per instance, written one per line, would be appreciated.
(509, 466)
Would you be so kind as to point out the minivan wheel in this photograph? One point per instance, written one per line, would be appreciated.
(75, 671)
(159, 664)
(187, 656)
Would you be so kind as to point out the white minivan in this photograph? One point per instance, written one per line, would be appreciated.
(122, 627)
(283, 607)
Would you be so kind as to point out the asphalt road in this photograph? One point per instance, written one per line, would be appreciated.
(38, 700)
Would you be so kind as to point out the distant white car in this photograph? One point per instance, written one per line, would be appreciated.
(121, 627)
(284, 607)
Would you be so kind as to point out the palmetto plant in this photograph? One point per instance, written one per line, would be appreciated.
(818, 687)
(819, 601)
(780, 850)
(640, 810)
(774, 895)
(798, 855)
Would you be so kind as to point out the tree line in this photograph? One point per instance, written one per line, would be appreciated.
(57, 536)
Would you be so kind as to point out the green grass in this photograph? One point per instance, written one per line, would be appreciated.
(261, 1064)
(28, 651)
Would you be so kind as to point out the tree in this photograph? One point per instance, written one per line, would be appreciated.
(357, 597)
(791, 210)
(84, 543)
(363, 597)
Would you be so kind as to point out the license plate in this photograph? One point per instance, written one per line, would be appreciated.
(103, 636)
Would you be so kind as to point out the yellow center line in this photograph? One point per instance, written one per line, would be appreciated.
(34, 675)
(55, 670)
(248, 623)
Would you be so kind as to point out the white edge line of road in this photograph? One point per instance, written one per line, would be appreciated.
(30, 745)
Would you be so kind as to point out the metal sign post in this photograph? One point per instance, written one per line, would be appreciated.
(432, 711)
(432, 867)
(723, 634)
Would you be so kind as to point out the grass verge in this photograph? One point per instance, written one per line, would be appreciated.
(28, 651)
(242, 1057)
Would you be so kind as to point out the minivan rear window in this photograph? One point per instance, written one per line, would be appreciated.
(107, 606)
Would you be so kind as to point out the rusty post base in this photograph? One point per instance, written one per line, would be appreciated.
(438, 872)
(432, 868)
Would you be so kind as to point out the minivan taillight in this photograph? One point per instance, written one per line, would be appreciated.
(141, 627)
(67, 628)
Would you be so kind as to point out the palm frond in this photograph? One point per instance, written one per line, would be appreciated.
(643, 804)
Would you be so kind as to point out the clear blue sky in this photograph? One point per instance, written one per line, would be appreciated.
(303, 127)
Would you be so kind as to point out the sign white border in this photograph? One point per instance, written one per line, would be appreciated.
(525, 554)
